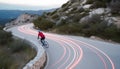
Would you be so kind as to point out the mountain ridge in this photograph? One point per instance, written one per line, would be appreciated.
(8, 15)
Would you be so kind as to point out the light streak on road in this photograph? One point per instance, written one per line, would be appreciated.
(72, 49)
(91, 46)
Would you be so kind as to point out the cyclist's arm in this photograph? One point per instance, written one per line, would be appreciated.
(38, 36)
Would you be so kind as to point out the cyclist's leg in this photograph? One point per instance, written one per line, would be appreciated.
(42, 41)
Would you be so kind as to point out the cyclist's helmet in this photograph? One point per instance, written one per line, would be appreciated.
(39, 30)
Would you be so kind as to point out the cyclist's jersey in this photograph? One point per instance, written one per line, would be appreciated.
(41, 35)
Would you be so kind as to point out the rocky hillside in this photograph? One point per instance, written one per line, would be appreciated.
(22, 19)
(84, 17)
(80, 10)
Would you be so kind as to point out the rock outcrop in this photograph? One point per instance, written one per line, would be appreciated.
(22, 19)
(81, 10)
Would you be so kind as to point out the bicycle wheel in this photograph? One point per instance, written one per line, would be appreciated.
(46, 44)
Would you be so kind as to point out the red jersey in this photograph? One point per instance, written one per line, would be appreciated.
(41, 35)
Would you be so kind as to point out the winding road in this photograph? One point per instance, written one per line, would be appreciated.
(74, 52)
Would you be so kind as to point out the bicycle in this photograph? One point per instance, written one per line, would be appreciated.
(45, 44)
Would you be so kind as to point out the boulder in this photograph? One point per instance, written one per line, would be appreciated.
(110, 20)
(84, 19)
(87, 6)
(61, 18)
(97, 11)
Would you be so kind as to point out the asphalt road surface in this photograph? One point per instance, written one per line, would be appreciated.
(74, 52)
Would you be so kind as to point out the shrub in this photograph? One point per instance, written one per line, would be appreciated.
(112, 31)
(108, 1)
(98, 4)
(5, 61)
(64, 5)
(46, 24)
(15, 55)
(65, 9)
(72, 28)
(5, 37)
(1, 27)
(18, 46)
(92, 1)
(48, 13)
(75, 10)
(52, 13)
(81, 10)
(43, 23)
(77, 17)
(90, 29)
(115, 7)
(89, 1)
(100, 29)
(55, 16)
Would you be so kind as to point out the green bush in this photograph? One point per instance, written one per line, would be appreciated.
(103, 1)
(81, 10)
(43, 23)
(5, 61)
(1, 27)
(18, 46)
(89, 1)
(112, 31)
(5, 37)
(52, 13)
(15, 55)
(55, 16)
(64, 5)
(64, 9)
(72, 28)
(98, 4)
(115, 7)
(77, 17)
(102, 30)
(95, 27)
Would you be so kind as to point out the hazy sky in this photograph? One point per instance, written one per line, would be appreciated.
(43, 4)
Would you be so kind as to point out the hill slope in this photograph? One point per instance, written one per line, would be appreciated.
(84, 17)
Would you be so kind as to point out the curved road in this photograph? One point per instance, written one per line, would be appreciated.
(73, 52)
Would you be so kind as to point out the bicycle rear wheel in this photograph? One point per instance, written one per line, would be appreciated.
(46, 44)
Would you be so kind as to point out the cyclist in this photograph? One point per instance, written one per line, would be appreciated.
(40, 34)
